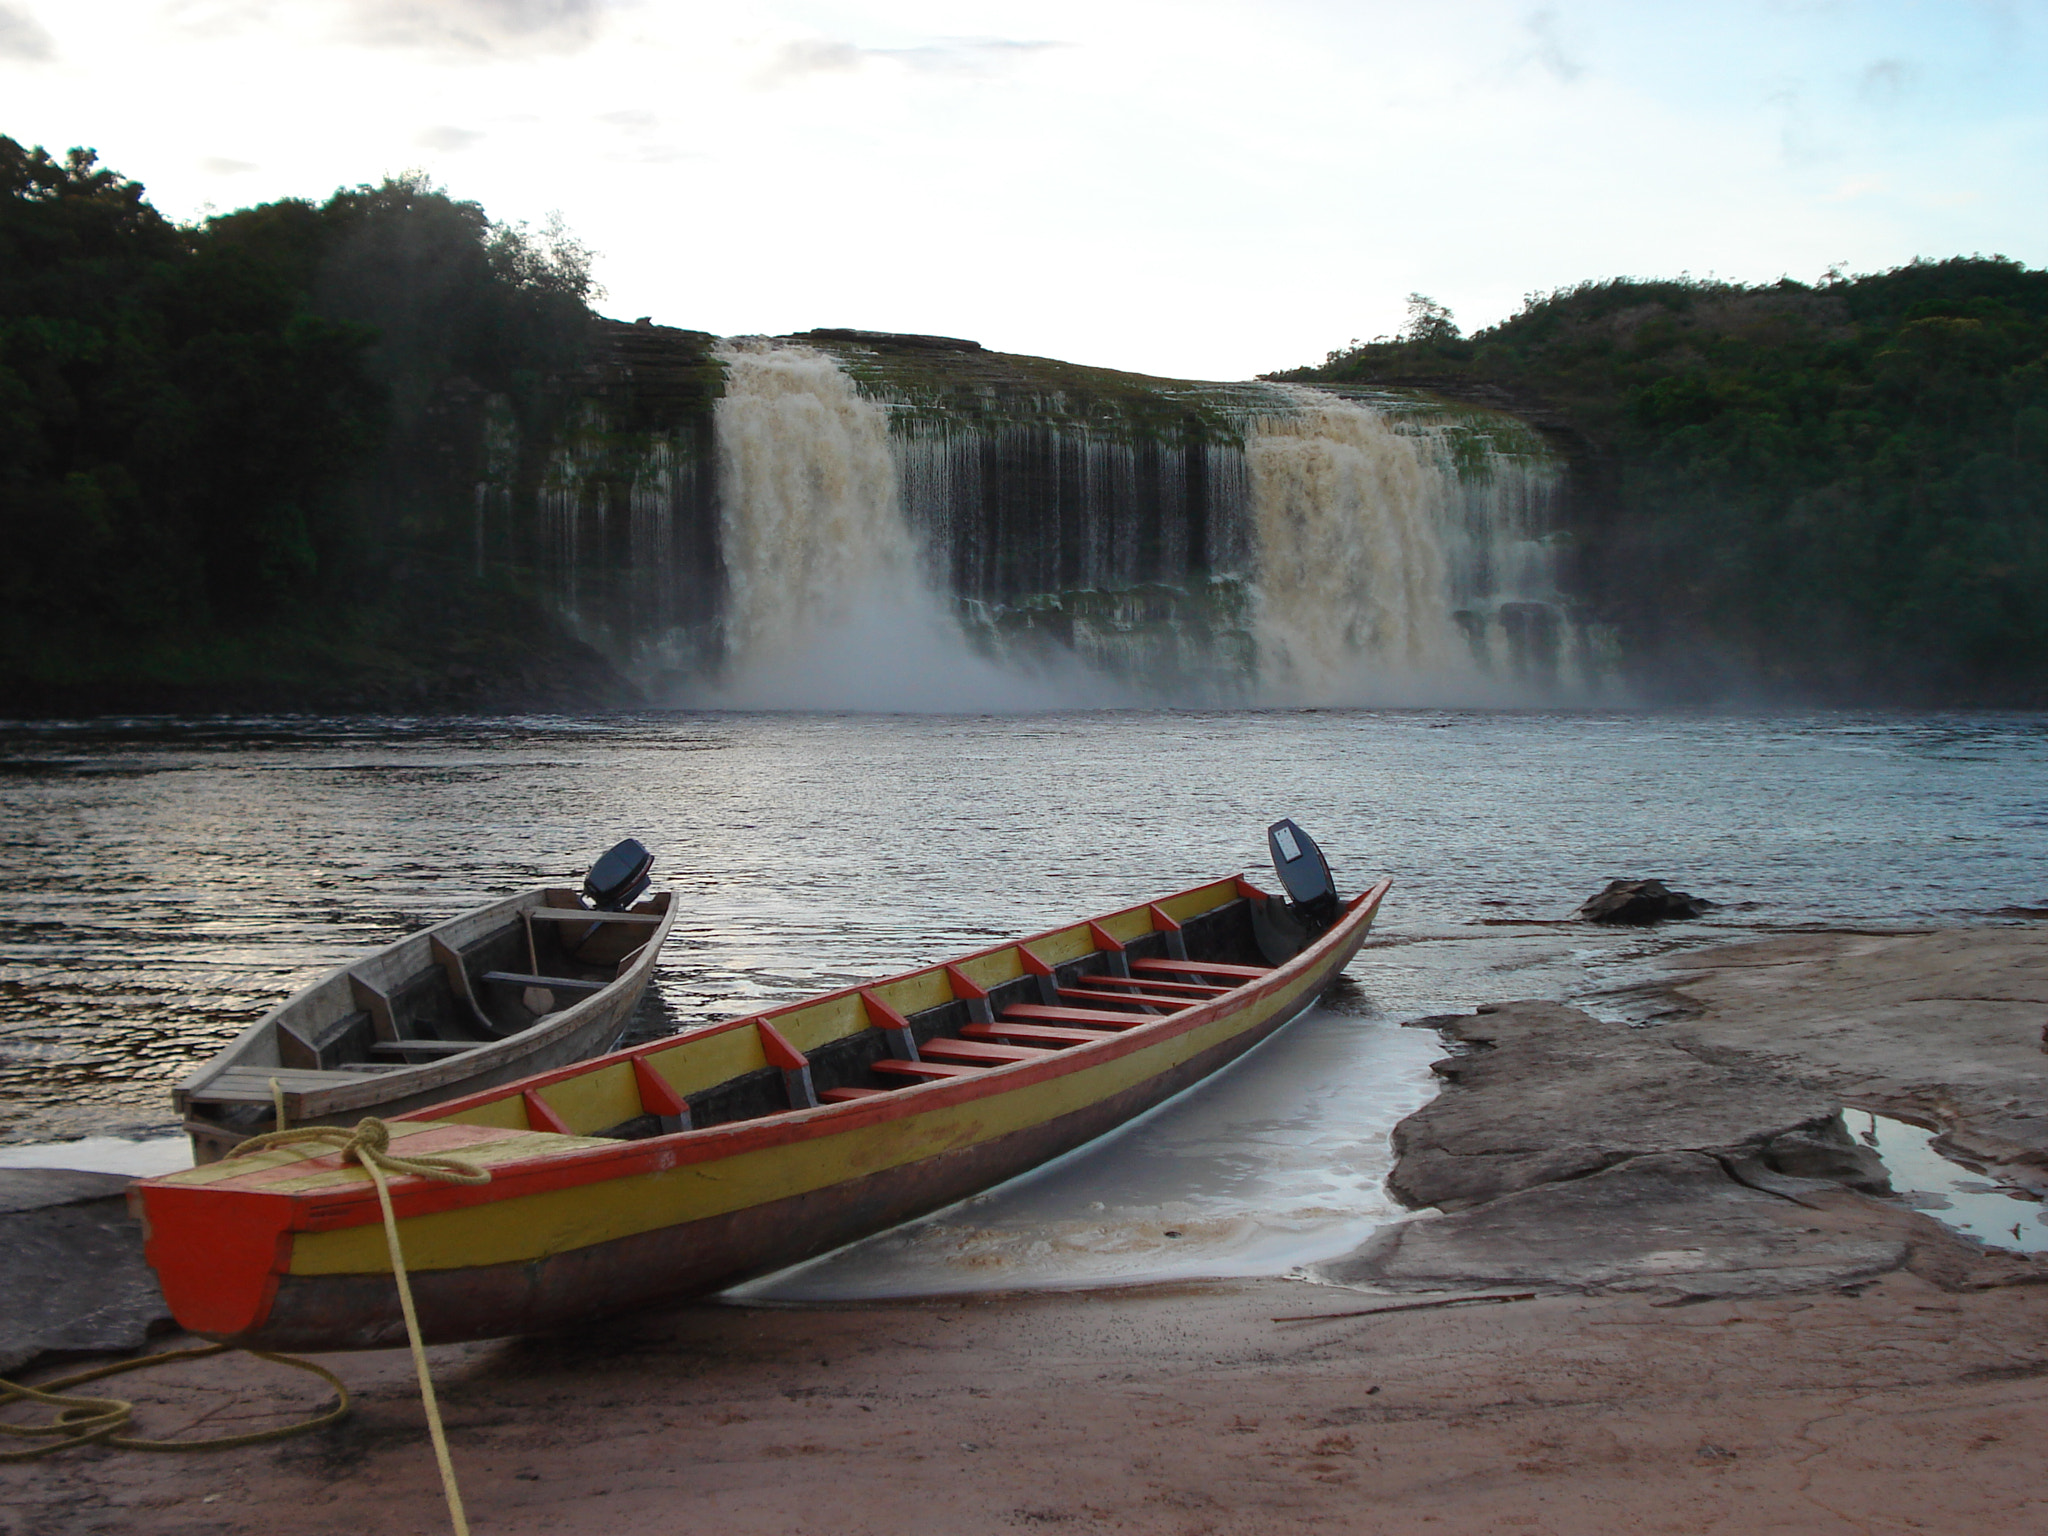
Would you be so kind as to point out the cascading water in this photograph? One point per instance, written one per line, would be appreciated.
(1383, 573)
(828, 605)
(767, 532)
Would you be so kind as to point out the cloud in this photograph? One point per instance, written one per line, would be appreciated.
(802, 57)
(23, 37)
(1884, 83)
(446, 137)
(479, 28)
(220, 165)
(216, 18)
(1854, 187)
(1549, 46)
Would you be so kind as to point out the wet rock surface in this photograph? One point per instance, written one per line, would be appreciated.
(1707, 1157)
(1669, 1221)
(72, 1276)
(1943, 1028)
(1550, 1093)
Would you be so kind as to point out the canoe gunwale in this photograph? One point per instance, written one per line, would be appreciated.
(408, 1081)
(356, 1204)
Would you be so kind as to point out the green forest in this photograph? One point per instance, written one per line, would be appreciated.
(1835, 491)
(217, 440)
(233, 470)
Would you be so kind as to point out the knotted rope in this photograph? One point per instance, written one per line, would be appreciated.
(370, 1145)
(86, 1420)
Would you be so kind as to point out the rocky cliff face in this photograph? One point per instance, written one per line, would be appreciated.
(1191, 541)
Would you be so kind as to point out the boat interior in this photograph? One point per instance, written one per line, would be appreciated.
(1023, 1002)
(444, 1001)
(541, 961)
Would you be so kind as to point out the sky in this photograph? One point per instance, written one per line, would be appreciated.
(1197, 189)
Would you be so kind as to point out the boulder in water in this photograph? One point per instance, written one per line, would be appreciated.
(1642, 902)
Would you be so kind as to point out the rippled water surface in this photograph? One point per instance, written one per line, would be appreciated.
(166, 881)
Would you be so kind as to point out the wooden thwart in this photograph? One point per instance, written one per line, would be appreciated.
(980, 1052)
(1199, 968)
(890, 1067)
(1040, 1013)
(1039, 1034)
(1193, 989)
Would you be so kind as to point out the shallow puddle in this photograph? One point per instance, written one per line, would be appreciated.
(1951, 1193)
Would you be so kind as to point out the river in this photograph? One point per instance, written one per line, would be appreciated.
(168, 880)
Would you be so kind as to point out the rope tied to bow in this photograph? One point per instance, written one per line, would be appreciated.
(369, 1144)
(87, 1420)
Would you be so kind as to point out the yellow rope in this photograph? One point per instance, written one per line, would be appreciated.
(370, 1145)
(90, 1420)
(85, 1420)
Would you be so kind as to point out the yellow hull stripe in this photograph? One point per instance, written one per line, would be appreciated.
(558, 1221)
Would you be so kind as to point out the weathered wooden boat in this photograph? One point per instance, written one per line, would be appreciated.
(526, 984)
(683, 1166)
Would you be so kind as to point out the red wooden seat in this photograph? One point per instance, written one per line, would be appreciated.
(979, 1052)
(1087, 995)
(1042, 1034)
(1199, 968)
(1046, 1013)
(846, 1095)
(889, 1066)
(1195, 989)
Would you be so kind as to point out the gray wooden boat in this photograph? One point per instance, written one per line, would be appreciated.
(536, 981)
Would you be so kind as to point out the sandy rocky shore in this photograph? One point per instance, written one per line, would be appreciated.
(1732, 1331)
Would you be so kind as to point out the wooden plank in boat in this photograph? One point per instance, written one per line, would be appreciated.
(1044, 1034)
(251, 1085)
(581, 915)
(1046, 1013)
(890, 1067)
(1200, 968)
(1085, 995)
(1195, 989)
(979, 1052)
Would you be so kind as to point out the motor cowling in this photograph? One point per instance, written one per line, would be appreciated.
(619, 877)
(1286, 925)
(1304, 872)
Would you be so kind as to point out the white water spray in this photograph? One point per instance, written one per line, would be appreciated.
(1375, 582)
(829, 607)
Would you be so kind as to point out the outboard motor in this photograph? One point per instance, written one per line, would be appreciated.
(617, 879)
(1284, 927)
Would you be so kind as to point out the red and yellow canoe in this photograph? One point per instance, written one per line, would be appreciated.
(687, 1165)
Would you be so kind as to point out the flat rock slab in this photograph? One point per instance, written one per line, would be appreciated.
(1945, 1027)
(1552, 1093)
(1672, 1222)
(72, 1276)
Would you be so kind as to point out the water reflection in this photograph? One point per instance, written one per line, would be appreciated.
(166, 881)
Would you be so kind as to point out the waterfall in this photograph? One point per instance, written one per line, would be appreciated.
(828, 604)
(774, 524)
(1385, 571)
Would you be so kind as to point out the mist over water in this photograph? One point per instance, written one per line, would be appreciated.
(1384, 574)
(1352, 582)
(830, 607)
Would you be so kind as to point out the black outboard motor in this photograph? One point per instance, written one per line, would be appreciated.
(616, 880)
(1287, 925)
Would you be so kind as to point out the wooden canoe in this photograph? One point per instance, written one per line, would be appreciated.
(683, 1166)
(524, 985)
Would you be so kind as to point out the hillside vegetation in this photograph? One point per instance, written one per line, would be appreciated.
(1836, 492)
(216, 441)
